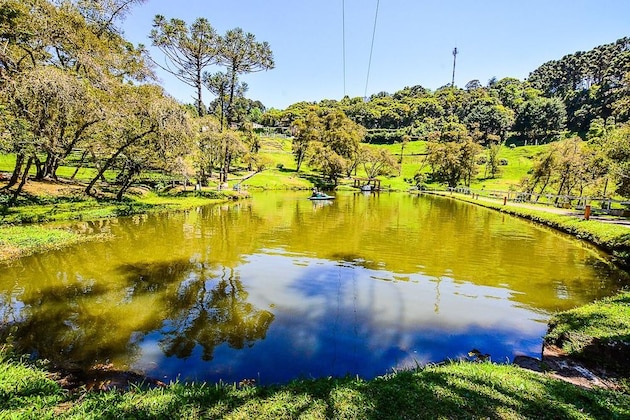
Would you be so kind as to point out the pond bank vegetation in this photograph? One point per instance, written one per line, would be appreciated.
(453, 389)
(22, 232)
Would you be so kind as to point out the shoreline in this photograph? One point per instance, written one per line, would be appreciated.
(553, 365)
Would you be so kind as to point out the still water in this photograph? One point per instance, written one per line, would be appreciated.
(278, 287)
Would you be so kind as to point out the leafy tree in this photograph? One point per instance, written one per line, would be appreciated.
(617, 149)
(104, 14)
(307, 131)
(453, 161)
(621, 102)
(187, 50)
(219, 84)
(542, 171)
(493, 121)
(146, 121)
(61, 108)
(240, 53)
(230, 147)
(328, 161)
(376, 162)
(540, 119)
(492, 163)
(341, 134)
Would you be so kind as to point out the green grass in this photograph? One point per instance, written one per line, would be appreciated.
(611, 237)
(279, 179)
(519, 162)
(17, 241)
(598, 333)
(453, 390)
(280, 167)
(277, 153)
(19, 237)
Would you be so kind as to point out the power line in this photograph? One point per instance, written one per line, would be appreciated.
(371, 49)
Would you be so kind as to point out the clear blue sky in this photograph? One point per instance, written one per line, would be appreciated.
(413, 44)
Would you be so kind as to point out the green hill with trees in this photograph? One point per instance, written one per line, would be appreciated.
(83, 96)
(81, 104)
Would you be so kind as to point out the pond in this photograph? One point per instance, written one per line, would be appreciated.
(278, 287)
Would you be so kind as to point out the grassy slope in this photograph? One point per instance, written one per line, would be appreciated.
(598, 333)
(280, 167)
(454, 390)
(277, 152)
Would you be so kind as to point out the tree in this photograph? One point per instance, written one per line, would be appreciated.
(145, 121)
(219, 84)
(241, 54)
(61, 109)
(328, 161)
(540, 119)
(307, 131)
(541, 172)
(452, 162)
(187, 50)
(341, 134)
(103, 14)
(492, 163)
(403, 143)
(617, 148)
(376, 162)
(493, 121)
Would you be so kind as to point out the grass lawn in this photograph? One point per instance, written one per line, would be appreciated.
(19, 237)
(453, 390)
(598, 333)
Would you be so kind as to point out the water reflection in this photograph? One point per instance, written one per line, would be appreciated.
(83, 321)
(279, 287)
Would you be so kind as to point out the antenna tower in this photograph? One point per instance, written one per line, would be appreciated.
(454, 61)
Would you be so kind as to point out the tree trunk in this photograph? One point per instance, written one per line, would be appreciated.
(17, 170)
(24, 178)
(40, 168)
(76, 171)
(198, 86)
(101, 171)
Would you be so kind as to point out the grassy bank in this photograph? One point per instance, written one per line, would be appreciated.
(21, 235)
(454, 390)
(18, 241)
(597, 334)
(614, 239)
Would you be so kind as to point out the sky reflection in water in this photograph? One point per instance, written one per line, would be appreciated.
(279, 288)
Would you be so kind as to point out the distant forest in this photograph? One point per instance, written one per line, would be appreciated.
(74, 90)
(574, 93)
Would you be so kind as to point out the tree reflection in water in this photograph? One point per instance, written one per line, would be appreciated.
(211, 317)
(83, 322)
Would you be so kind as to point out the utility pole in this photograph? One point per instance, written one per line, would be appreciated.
(454, 61)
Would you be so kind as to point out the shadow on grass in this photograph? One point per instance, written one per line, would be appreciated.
(457, 390)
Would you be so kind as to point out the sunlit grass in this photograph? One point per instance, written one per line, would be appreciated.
(20, 237)
(599, 332)
(453, 390)
(279, 179)
(17, 241)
